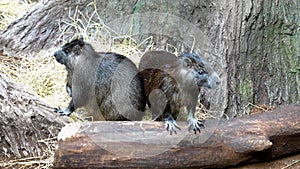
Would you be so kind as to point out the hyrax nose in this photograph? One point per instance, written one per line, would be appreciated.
(59, 56)
(56, 54)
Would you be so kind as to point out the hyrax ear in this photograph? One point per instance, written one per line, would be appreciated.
(198, 52)
(187, 62)
(77, 49)
(80, 40)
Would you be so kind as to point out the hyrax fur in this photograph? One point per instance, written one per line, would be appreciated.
(172, 84)
(107, 84)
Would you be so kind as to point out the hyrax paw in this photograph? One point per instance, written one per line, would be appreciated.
(171, 125)
(195, 125)
(62, 112)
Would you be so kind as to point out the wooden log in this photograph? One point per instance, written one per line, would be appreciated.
(238, 141)
(25, 120)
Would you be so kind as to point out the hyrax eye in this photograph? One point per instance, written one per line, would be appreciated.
(200, 65)
(200, 72)
(66, 51)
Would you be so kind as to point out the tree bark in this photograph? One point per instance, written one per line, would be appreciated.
(242, 140)
(263, 55)
(25, 122)
(36, 30)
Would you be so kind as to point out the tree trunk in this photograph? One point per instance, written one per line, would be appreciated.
(264, 58)
(25, 122)
(243, 140)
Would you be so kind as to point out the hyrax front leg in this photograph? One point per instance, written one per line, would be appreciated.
(69, 89)
(171, 124)
(193, 123)
(67, 111)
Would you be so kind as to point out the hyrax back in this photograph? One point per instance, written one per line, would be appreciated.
(106, 84)
(172, 85)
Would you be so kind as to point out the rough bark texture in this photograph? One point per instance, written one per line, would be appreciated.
(263, 58)
(253, 44)
(25, 120)
(242, 140)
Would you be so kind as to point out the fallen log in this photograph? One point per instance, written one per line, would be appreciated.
(238, 141)
(26, 122)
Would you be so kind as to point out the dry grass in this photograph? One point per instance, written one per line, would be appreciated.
(256, 109)
(44, 161)
(41, 75)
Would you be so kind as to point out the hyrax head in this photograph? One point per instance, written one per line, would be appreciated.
(68, 53)
(200, 70)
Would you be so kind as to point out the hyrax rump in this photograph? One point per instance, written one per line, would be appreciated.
(172, 84)
(106, 84)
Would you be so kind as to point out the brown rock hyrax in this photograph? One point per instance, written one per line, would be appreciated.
(106, 84)
(172, 84)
